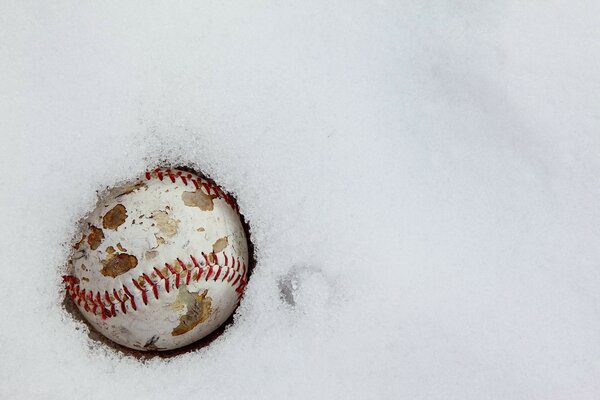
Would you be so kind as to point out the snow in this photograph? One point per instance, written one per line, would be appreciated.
(420, 179)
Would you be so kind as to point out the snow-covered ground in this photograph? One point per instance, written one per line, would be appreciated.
(421, 178)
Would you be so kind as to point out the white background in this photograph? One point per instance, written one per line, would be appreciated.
(423, 175)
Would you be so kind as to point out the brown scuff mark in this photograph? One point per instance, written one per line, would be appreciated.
(220, 244)
(165, 223)
(95, 237)
(115, 217)
(211, 258)
(126, 189)
(151, 343)
(150, 254)
(198, 199)
(198, 309)
(110, 250)
(78, 244)
(121, 248)
(201, 229)
(165, 271)
(85, 279)
(141, 281)
(117, 264)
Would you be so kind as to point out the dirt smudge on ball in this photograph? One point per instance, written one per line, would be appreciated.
(95, 237)
(151, 343)
(150, 254)
(115, 217)
(166, 224)
(198, 309)
(198, 199)
(117, 264)
(78, 244)
(220, 244)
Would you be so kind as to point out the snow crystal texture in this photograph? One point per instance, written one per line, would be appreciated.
(421, 180)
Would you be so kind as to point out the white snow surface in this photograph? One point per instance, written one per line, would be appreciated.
(423, 175)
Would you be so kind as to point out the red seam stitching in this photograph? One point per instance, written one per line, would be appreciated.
(106, 307)
(160, 275)
(198, 183)
(143, 291)
(130, 297)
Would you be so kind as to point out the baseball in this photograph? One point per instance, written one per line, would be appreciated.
(161, 261)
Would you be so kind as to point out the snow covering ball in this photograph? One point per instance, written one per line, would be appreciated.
(420, 179)
(161, 262)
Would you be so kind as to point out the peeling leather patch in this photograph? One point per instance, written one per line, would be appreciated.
(166, 224)
(199, 308)
(117, 264)
(198, 199)
(115, 217)
(220, 244)
(95, 237)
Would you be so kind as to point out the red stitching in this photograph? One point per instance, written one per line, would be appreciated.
(160, 275)
(168, 172)
(240, 289)
(171, 270)
(130, 297)
(198, 183)
(139, 287)
(113, 311)
(210, 271)
(123, 308)
(206, 187)
(218, 273)
(105, 306)
(151, 283)
(199, 274)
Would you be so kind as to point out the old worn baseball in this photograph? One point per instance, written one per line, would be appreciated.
(162, 261)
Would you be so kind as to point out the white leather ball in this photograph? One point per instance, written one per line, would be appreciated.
(162, 261)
